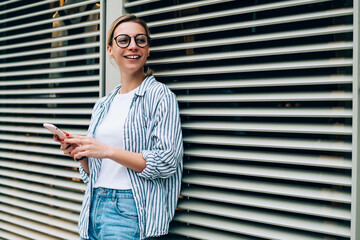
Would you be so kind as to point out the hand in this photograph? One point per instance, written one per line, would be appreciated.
(65, 147)
(86, 147)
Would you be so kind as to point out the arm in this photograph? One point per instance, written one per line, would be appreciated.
(166, 146)
(90, 147)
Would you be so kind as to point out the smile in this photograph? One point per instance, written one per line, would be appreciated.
(132, 57)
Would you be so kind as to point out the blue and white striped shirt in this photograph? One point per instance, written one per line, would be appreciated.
(152, 128)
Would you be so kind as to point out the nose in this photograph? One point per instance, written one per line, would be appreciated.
(132, 44)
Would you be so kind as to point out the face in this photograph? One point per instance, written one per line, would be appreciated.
(131, 60)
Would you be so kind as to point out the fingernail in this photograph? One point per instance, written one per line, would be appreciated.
(67, 134)
(61, 140)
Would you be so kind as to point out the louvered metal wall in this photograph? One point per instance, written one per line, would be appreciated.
(49, 72)
(266, 96)
(267, 104)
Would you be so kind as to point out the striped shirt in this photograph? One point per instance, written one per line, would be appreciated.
(152, 128)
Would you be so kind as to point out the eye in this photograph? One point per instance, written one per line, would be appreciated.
(122, 40)
(141, 39)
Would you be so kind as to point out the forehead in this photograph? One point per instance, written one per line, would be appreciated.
(129, 28)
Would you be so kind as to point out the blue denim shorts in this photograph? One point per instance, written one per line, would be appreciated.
(113, 215)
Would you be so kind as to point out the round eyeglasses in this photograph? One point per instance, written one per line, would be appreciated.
(123, 40)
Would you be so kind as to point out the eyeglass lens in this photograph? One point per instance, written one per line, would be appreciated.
(124, 40)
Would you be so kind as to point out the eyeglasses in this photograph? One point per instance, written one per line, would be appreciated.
(123, 40)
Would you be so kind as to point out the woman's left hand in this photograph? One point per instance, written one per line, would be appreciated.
(87, 147)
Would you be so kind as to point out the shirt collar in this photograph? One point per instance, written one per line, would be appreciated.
(144, 85)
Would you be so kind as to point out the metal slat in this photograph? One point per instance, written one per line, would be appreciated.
(50, 40)
(254, 38)
(36, 158)
(24, 6)
(260, 82)
(19, 233)
(51, 30)
(33, 149)
(39, 129)
(283, 143)
(269, 202)
(138, 3)
(271, 218)
(40, 169)
(74, 111)
(269, 112)
(38, 120)
(51, 70)
(252, 229)
(40, 227)
(180, 7)
(51, 20)
(6, 2)
(272, 188)
(39, 178)
(40, 208)
(50, 81)
(43, 189)
(253, 53)
(255, 23)
(40, 198)
(277, 66)
(50, 60)
(50, 101)
(51, 50)
(50, 10)
(271, 157)
(205, 233)
(232, 12)
(307, 128)
(55, 90)
(40, 218)
(283, 173)
(267, 97)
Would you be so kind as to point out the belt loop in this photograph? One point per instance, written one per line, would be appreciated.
(114, 195)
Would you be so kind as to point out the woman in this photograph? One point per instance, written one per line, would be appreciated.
(132, 154)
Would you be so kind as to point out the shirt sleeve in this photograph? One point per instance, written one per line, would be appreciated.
(166, 151)
(85, 177)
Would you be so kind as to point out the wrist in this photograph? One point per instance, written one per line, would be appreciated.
(110, 152)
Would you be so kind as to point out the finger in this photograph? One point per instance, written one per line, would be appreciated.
(72, 140)
(56, 138)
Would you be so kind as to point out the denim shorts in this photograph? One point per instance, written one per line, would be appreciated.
(113, 215)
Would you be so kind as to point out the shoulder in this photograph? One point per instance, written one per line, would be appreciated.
(157, 90)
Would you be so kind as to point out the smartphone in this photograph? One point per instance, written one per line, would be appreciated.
(52, 128)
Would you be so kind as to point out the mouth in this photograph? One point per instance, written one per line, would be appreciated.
(132, 57)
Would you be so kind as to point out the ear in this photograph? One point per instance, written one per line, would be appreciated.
(148, 55)
(109, 50)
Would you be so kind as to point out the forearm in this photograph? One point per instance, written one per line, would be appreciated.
(134, 161)
(85, 165)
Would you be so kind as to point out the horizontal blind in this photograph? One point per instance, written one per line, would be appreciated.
(49, 72)
(265, 95)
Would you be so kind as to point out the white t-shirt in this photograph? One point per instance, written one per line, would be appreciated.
(111, 132)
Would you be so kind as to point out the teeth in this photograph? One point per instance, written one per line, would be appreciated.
(132, 57)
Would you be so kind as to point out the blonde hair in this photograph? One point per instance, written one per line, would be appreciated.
(127, 18)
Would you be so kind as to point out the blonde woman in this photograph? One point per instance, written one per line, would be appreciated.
(132, 154)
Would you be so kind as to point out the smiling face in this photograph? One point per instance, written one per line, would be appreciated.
(131, 60)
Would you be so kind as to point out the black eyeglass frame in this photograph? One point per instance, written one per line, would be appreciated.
(147, 37)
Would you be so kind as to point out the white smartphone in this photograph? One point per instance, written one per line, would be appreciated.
(52, 128)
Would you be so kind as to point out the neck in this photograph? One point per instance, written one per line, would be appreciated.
(131, 81)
